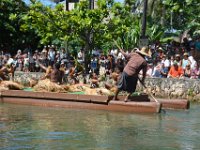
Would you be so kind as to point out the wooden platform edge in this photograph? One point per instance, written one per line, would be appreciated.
(41, 99)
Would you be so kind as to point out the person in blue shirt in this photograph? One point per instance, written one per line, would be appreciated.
(164, 71)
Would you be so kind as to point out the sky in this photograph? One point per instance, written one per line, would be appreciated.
(48, 2)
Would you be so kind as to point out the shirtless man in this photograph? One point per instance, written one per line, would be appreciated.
(56, 75)
(6, 72)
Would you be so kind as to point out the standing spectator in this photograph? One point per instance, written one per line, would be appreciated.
(113, 64)
(94, 62)
(102, 64)
(31, 62)
(120, 64)
(58, 58)
(63, 55)
(43, 57)
(186, 44)
(26, 63)
(51, 56)
(96, 52)
(19, 59)
(109, 64)
(197, 48)
(81, 56)
(120, 56)
(71, 61)
(35, 58)
(172, 60)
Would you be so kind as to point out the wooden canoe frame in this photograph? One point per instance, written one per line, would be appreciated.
(138, 104)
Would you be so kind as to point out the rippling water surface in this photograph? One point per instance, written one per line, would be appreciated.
(30, 127)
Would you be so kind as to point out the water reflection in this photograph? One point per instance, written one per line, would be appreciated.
(26, 127)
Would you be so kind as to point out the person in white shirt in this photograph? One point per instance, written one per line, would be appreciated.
(149, 70)
(81, 56)
(193, 62)
(166, 61)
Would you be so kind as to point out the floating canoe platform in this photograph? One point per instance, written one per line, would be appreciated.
(174, 103)
(136, 104)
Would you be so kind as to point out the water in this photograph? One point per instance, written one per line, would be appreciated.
(41, 128)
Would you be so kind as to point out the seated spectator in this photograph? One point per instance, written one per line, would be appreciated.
(156, 71)
(166, 61)
(164, 71)
(149, 70)
(178, 59)
(195, 72)
(185, 61)
(175, 71)
(187, 71)
(193, 62)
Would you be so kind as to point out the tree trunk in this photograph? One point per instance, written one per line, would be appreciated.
(162, 20)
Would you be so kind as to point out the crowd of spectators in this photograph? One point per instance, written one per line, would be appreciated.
(173, 60)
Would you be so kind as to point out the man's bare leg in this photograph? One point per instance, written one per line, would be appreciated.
(126, 99)
(116, 94)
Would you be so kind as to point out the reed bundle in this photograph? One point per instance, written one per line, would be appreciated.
(48, 86)
(11, 85)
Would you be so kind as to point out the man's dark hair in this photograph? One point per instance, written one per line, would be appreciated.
(57, 66)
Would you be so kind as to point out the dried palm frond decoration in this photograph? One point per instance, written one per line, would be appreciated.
(10, 85)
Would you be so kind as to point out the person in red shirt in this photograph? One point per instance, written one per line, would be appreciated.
(175, 71)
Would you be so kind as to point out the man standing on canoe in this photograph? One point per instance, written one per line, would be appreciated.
(129, 77)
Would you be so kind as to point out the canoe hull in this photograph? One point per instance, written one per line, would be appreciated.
(78, 101)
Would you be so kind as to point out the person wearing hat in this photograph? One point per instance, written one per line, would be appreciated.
(175, 71)
(19, 59)
(185, 61)
(129, 76)
(160, 53)
(178, 59)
